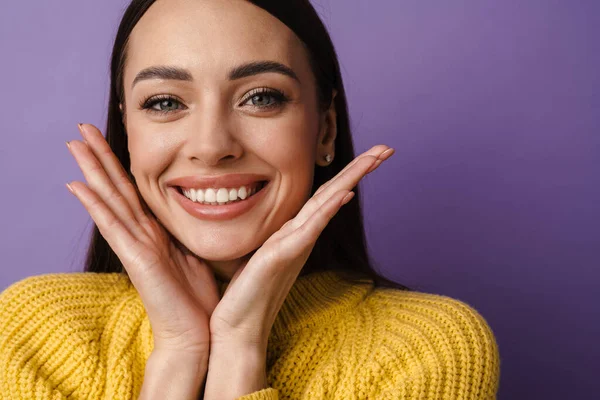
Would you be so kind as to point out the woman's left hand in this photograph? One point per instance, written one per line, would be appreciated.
(244, 316)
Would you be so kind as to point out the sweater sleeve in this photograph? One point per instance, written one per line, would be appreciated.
(50, 335)
(392, 345)
(432, 347)
(265, 394)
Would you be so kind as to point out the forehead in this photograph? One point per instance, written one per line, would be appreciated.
(209, 37)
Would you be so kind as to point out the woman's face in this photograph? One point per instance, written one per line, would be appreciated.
(193, 111)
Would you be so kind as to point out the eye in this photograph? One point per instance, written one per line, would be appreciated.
(265, 98)
(162, 104)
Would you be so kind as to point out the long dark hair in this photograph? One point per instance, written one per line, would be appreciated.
(342, 245)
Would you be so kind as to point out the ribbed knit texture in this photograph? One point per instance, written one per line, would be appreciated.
(87, 336)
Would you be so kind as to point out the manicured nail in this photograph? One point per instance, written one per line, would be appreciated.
(68, 145)
(80, 126)
(347, 198)
(386, 154)
(70, 188)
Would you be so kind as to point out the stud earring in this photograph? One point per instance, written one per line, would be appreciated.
(328, 158)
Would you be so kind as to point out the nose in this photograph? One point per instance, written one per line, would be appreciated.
(211, 139)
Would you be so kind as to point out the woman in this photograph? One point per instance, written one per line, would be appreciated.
(228, 260)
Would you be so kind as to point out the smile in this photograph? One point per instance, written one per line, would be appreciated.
(221, 196)
(222, 208)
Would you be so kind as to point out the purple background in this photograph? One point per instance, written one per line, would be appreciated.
(493, 194)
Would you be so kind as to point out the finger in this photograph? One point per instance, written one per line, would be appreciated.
(101, 184)
(110, 226)
(114, 169)
(347, 181)
(307, 234)
(283, 231)
(382, 157)
(382, 152)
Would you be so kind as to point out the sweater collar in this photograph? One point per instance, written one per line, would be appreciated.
(315, 299)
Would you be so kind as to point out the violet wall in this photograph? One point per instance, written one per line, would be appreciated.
(493, 196)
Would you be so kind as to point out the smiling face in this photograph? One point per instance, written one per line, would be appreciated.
(192, 112)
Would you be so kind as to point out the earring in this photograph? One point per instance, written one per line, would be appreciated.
(328, 158)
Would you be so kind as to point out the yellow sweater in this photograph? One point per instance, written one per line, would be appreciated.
(87, 336)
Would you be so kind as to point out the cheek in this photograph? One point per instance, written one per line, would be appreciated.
(288, 146)
(150, 154)
(289, 140)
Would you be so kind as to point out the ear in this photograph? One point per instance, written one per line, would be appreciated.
(122, 115)
(327, 134)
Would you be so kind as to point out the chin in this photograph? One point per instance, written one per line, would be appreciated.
(217, 248)
(224, 259)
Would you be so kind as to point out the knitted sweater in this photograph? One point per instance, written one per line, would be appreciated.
(87, 336)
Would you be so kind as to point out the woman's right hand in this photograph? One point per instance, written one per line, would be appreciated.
(178, 290)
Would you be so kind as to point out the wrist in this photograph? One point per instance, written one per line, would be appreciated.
(169, 375)
(235, 370)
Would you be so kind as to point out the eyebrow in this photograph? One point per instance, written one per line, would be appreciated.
(239, 72)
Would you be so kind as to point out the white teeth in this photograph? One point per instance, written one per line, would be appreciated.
(210, 196)
(221, 195)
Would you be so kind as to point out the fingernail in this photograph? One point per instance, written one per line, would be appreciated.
(70, 188)
(347, 198)
(68, 145)
(83, 133)
(386, 154)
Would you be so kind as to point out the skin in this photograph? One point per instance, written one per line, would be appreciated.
(173, 260)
